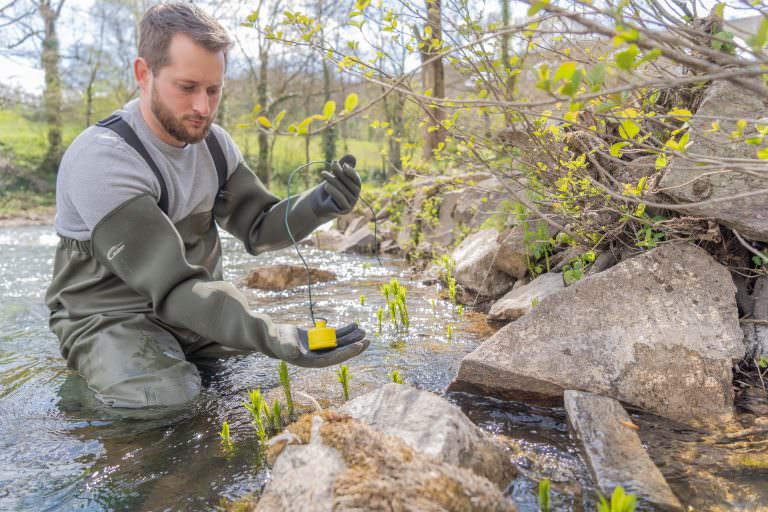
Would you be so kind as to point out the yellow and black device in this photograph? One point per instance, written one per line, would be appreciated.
(321, 336)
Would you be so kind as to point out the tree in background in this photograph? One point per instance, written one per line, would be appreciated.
(34, 22)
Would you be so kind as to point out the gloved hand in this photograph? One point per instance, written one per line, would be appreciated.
(294, 346)
(343, 183)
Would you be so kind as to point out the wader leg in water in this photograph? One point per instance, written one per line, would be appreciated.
(130, 361)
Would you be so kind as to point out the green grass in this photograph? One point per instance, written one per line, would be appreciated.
(289, 154)
(27, 140)
(24, 141)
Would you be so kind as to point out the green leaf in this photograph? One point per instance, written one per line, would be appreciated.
(329, 109)
(628, 129)
(544, 495)
(648, 57)
(625, 59)
(537, 6)
(762, 154)
(279, 118)
(616, 149)
(351, 102)
(596, 76)
(263, 121)
(661, 161)
(757, 42)
(565, 71)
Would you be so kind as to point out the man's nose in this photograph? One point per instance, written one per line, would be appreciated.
(202, 104)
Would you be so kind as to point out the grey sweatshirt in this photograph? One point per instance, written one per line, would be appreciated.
(100, 171)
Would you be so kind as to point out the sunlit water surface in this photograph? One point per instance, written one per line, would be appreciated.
(60, 450)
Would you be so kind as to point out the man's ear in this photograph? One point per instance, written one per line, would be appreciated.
(142, 73)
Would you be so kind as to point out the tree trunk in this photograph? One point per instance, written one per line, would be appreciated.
(52, 93)
(329, 135)
(434, 79)
(394, 105)
(262, 166)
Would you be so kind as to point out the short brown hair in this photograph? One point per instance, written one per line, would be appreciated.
(161, 22)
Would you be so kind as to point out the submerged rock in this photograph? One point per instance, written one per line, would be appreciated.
(329, 461)
(659, 331)
(520, 300)
(283, 277)
(434, 426)
(612, 449)
(687, 182)
(475, 270)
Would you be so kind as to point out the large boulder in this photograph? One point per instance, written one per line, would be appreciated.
(434, 426)
(329, 461)
(283, 277)
(659, 331)
(475, 270)
(520, 300)
(613, 451)
(684, 181)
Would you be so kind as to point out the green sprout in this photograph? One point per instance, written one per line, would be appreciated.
(534, 302)
(362, 299)
(544, 495)
(433, 302)
(380, 317)
(396, 378)
(452, 290)
(277, 416)
(226, 440)
(460, 309)
(450, 332)
(285, 381)
(256, 405)
(343, 376)
(620, 502)
(395, 296)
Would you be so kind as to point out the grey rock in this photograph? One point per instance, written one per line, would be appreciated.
(755, 339)
(334, 462)
(361, 241)
(659, 331)
(328, 240)
(686, 182)
(355, 224)
(432, 425)
(475, 269)
(512, 256)
(613, 450)
(302, 478)
(518, 302)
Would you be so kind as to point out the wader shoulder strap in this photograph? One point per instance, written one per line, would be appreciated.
(218, 158)
(118, 125)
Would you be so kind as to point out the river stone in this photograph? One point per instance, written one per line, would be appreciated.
(283, 277)
(659, 331)
(432, 425)
(613, 451)
(335, 462)
(361, 241)
(328, 239)
(474, 270)
(685, 182)
(517, 302)
(511, 258)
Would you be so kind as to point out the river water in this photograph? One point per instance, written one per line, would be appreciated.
(61, 450)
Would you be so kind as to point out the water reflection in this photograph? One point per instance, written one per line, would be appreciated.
(60, 449)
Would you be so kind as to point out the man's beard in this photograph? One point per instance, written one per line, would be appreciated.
(175, 127)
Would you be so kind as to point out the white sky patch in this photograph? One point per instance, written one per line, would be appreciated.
(21, 74)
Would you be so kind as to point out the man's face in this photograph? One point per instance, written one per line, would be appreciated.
(185, 93)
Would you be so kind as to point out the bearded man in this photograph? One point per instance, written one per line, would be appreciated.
(137, 293)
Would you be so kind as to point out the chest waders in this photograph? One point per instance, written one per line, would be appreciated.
(143, 295)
